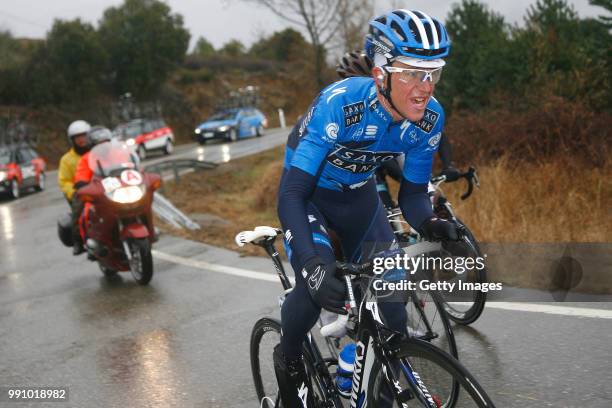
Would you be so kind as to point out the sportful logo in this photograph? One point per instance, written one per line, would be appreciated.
(311, 218)
(371, 130)
(336, 92)
(331, 130)
(303, 394)
(288, 236)
(353, 113)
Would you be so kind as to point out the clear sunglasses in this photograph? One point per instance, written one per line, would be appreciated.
(411, 75)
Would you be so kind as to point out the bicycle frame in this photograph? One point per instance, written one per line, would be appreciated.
(372, 343)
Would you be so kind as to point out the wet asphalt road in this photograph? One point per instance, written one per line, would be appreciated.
(183, 340)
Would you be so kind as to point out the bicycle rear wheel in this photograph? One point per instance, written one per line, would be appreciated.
(434, 378)
(466, 305)
(264, 337)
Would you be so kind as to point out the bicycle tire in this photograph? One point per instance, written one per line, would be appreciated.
(470, 315)
(447, 341)
(261, 327)
(411, 349)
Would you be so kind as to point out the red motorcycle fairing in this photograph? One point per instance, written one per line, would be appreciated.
(134, 231)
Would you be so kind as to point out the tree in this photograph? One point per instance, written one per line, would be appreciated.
(280, 46)
(478, 60)
(145, 42)
(203, 48)
(232, 48)
(606, 4)
(321, 19)
(76, 60)
(9, 49)
(354, 19)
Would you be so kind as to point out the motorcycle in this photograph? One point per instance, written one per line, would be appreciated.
(117, 223)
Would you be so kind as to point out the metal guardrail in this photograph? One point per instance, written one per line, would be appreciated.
(161, 205)
(177, 165)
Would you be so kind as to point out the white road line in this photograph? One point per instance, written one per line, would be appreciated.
(228, 270)
(551, 309)
(516, 306)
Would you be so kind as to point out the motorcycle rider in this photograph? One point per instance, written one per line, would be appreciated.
(82, 176)
(77, 135)
(351, 127)
(357, 63)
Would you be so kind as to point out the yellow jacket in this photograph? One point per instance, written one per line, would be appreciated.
(66, 171)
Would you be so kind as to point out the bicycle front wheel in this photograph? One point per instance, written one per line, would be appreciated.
(432, 377)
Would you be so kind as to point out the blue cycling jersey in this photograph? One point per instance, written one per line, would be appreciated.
(346, 134)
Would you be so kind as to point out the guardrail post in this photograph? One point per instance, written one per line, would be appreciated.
(177, 177)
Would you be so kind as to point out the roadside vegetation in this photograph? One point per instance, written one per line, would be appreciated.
(529, 104)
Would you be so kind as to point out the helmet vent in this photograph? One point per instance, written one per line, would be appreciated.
(429, 33)
(437, 25)
(382, 20)
(398, 31)
(414, 30)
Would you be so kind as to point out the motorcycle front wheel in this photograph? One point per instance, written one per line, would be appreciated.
(141, 264)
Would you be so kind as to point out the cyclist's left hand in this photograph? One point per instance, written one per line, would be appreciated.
(438, 229)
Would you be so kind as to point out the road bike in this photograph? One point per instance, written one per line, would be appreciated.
(466, 305)
(390, 369)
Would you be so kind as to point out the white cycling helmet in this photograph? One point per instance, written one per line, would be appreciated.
(78, 127)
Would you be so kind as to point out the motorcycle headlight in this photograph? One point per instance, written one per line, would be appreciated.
(223, 128)
(198, 131)
(2, 175)
(130, 142)
(127, 195)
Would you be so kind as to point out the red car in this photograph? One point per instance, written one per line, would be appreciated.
(146, 135)
(20, 168)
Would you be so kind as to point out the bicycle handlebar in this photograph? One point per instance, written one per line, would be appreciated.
(470, 176)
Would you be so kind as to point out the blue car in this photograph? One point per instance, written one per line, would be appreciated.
(232, 124)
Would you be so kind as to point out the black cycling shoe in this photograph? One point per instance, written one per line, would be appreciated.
(293, 383)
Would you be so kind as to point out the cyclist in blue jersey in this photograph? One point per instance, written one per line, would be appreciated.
(351, 128)
(357, 63)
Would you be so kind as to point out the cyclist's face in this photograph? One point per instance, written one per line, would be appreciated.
(410, 96)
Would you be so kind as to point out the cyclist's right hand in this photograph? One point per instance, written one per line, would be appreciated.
(325, 288)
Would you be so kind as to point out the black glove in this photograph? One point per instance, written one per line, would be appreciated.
(451, 173)
(437, 229)
(325, 289)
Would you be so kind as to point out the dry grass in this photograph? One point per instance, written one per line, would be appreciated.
(242, 192)
(550, 202)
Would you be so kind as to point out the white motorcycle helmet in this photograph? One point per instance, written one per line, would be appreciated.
(78, 127)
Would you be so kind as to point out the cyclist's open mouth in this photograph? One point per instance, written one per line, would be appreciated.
(419, 102)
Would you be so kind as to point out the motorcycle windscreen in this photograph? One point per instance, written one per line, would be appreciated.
(111, 158)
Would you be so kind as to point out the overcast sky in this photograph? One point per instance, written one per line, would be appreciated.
(220, 20)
